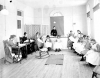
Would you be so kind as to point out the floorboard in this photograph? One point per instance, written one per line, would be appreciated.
(33, 67)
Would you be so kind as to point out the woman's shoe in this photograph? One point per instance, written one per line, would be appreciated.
(56, 50)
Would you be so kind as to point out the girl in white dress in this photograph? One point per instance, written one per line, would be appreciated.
(75, 44)
(81, 46)
(57, 44)
(48, 43)
(93, 55)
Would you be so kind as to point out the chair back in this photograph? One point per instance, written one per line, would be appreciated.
(7, 49)
(40, 44)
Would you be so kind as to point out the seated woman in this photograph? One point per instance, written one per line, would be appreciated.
(93, 55)
(69, 41)
(24, 37)
(57, 44)
(86, 48)
(76, 39)
(81, 45)
(41, 46)
(36, 36)
(75, 43)
(40, 42)
(12, 43)
(48, 43)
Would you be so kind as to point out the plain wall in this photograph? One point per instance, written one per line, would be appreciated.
(71, 15)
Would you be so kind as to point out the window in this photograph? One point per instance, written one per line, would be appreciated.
(1, 7)
(18, 24)
(19, 13)
(97, 25)
(88, 8)
(57, 14)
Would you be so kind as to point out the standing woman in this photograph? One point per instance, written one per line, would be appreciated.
(54, 31)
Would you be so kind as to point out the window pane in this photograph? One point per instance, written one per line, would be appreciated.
(18, 24)
(19, 13)
(1, 7)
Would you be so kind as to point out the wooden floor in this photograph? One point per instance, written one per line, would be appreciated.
(36, 68)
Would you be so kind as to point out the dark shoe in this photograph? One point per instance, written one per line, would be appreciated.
(49, 48)
(82, 59)
(56, 50)
(59, 50)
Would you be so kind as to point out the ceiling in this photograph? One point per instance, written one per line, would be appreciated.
(53, 3)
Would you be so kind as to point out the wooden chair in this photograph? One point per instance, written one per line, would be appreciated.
(96, 72)
(8, 53)
(42, 49)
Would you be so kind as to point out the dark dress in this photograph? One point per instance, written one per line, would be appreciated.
(54, 32)
(24, 38)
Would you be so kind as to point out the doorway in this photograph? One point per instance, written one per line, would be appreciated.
(58, 22)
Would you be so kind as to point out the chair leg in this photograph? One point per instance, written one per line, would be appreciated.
(94, 74)
(48, 52)
(40, 54)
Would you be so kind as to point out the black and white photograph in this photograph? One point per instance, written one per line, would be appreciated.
(49, 39)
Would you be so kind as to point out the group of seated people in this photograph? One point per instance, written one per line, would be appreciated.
(86, 47)
(46, 42)
(13, 45)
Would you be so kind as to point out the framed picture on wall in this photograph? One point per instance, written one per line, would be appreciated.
(1, 7)
(18, 24)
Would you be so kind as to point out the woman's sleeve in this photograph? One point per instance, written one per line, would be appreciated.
(56, 32)
(51, 32)
(98, 47)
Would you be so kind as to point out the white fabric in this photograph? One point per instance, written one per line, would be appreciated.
(72, 38)
(40, 40)
(80, 48)
(44, 49)
(75, 44)
(92, 56)
(12, 54)
(48, 44)
(57, 44)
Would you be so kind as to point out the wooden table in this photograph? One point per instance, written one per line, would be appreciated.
(26, 48)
